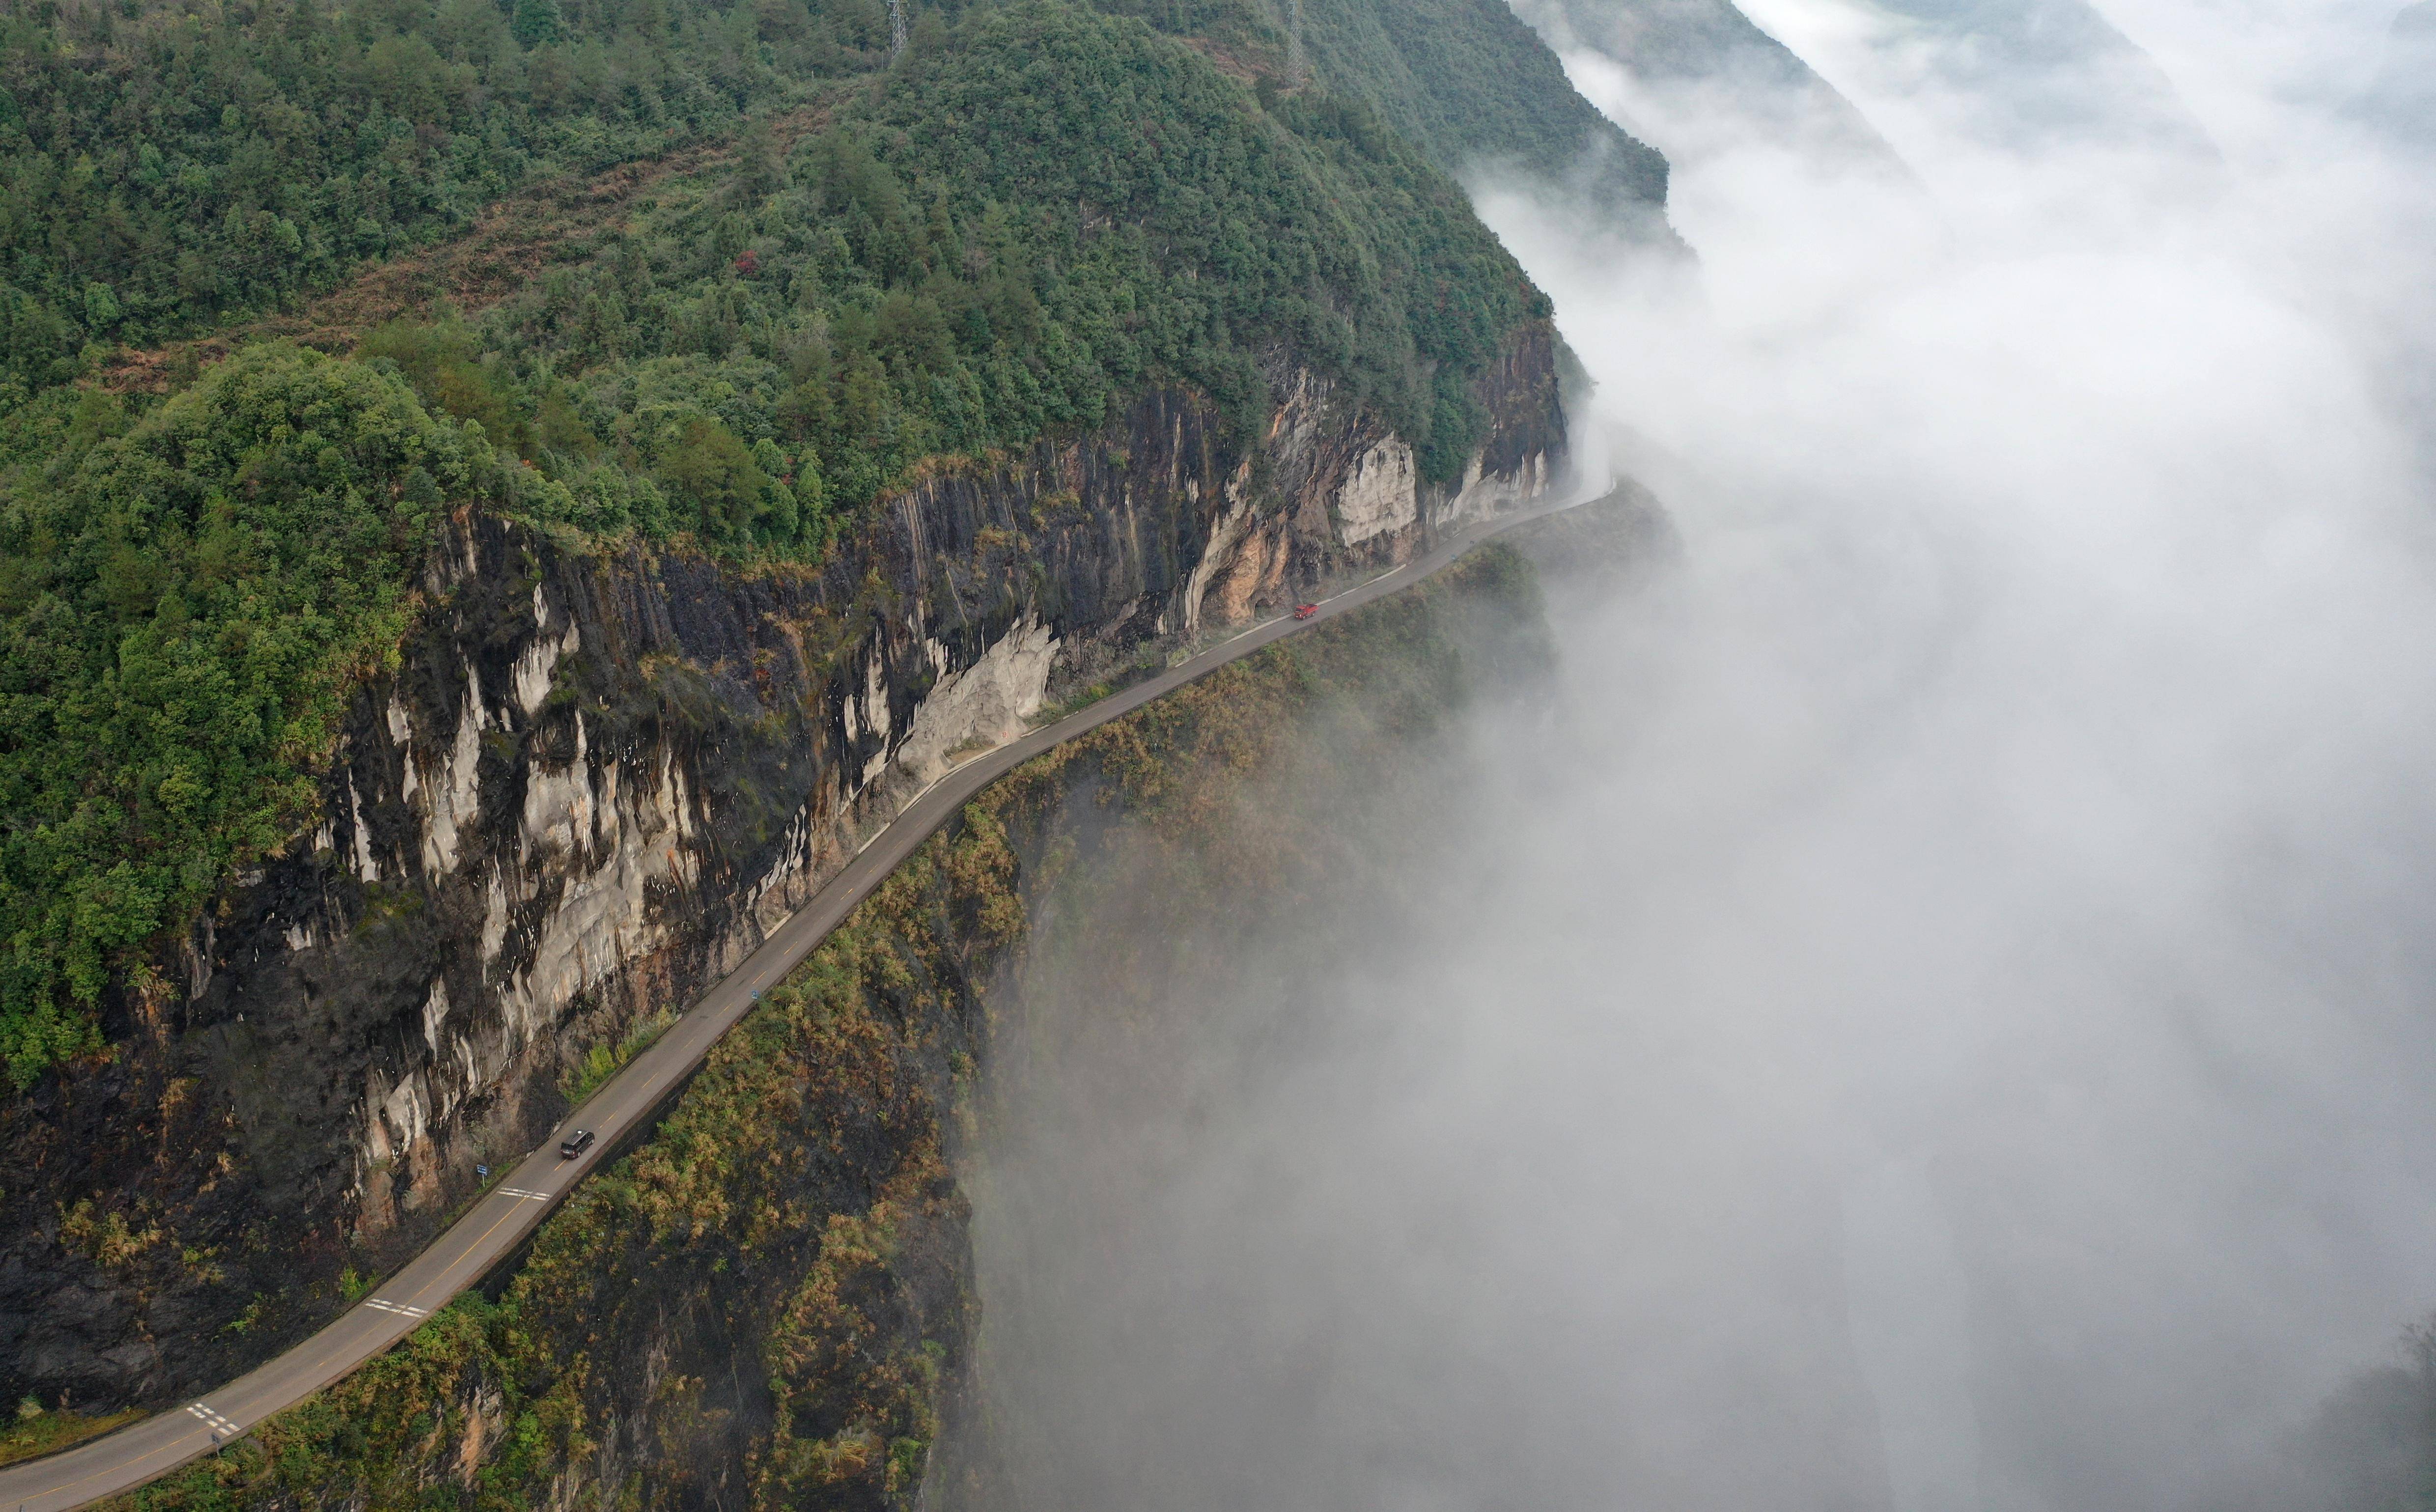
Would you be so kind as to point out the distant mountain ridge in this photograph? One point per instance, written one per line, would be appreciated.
(1422, 63)
(2402, 100)
(1676, 44)
(2054, 72)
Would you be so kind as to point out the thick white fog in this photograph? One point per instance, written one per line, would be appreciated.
(1936, 1010)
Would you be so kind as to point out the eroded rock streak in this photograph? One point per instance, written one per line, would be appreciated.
(590, 786)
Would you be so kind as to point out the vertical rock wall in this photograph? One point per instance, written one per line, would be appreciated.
(591, 785)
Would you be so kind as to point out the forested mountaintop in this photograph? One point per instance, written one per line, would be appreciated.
(170, 165)
(709, 272)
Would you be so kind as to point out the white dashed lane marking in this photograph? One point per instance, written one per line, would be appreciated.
(529, 1196)
(212, 1419)
(399, 1307)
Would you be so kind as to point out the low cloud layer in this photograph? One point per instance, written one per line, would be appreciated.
(1934, 1010)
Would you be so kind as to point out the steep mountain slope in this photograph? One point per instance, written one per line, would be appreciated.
(1463, 80)
(1468, 80)
(390, 738)
(747, 365)
(169, 163)
(1710, 63)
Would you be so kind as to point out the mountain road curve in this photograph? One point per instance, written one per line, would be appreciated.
(508, 1211)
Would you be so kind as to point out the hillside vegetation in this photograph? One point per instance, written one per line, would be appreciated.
(1466, 81)
(1039, 211)
(181, 597)
(1426, 61)
(164, 164)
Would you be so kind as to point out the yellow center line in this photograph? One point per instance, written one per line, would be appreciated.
(514, 1205)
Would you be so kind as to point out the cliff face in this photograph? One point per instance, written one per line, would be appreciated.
(589, 786)
(772, 1301)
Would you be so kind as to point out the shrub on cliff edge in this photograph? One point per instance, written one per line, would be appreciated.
(181, 604)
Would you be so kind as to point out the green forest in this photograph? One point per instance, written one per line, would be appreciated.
(1037, 211)
(168, 164)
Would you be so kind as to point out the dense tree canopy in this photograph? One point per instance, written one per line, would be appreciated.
(165, 163)
(181, 599)
(1045, 216)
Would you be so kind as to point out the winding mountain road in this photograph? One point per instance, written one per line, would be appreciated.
(501, 1218)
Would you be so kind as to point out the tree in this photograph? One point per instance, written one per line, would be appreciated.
(538, 22)
(705, 464)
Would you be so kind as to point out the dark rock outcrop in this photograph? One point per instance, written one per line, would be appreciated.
(590, 783)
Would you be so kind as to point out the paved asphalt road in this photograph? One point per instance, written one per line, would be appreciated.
(121, 1461)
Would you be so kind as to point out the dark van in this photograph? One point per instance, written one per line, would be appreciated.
(569, 1149)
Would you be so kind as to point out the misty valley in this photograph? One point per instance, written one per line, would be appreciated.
(1097, 755)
